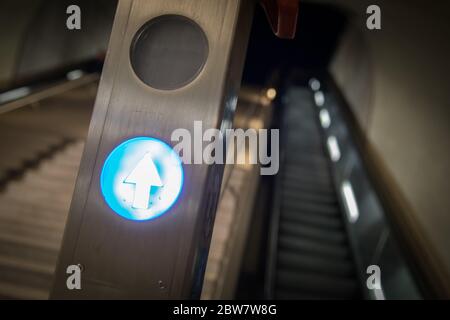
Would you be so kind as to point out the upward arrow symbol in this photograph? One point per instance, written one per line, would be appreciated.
(143, 176)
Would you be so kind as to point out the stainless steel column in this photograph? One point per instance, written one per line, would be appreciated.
(163, 257)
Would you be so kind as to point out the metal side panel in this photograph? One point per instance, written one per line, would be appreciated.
(163, 257)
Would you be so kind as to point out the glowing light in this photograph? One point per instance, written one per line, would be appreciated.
(325, 120)
(319, 98)
(74, 74)
(350, 202)
(14, 94)
(141, 178)
(256, 123)
(144, 176)
(314, 84)
(333, 148)
(264, 101)
(271, 93)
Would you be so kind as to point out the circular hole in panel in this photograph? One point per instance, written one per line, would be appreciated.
(168, 52)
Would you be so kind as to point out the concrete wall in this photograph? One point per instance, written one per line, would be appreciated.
(12, 32)
(34, 37)
(397, 83)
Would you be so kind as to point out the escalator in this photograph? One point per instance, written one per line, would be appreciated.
(311, 256)
(40, 149)
(32, 223)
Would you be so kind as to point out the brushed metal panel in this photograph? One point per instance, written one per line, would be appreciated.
(127, 259)
(168, 52)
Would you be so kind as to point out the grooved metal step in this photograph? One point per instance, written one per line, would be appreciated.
(316, 286)
(315, 233)
(323, 264)
(33, 210)
(296, 244)
(308, 219)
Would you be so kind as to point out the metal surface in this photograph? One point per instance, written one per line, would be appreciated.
(48, 92)
(372, 234)
(169, 52)
(165, 257)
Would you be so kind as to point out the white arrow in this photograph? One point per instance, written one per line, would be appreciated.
(143, 176)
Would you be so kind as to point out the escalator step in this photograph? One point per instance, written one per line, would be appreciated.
(309, 197)
(311, 180)
(288, 243)
(312, 208)
(300, 231)
(301, 261)
(321, 285)
(320, 175)
(286, 294)
(314, 162)
(295, 167)
(308, 190)
(311, 187)
(325, 222)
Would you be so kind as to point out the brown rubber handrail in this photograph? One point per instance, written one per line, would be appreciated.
(282, 16)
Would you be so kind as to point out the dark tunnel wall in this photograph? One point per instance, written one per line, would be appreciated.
(13, 26)
(318, 29)
(36, 40)
(396, 82)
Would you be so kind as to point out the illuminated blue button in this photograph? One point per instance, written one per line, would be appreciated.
(141, 178)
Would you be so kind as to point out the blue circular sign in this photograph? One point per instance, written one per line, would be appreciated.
(141, 178)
